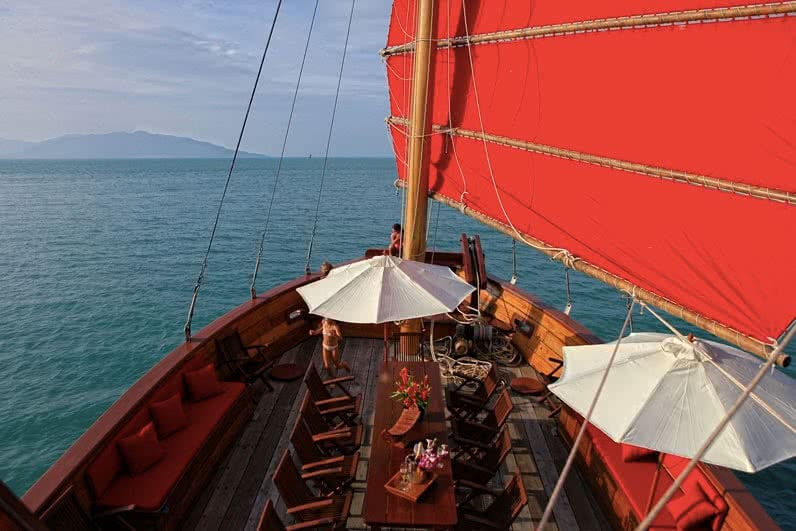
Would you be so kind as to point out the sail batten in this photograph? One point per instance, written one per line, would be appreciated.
(568, 133)
(634, 167)
(650, 20)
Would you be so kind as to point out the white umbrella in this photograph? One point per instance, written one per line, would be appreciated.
(668, 395)
(384, 289)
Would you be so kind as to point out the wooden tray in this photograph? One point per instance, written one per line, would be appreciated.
(414, 491)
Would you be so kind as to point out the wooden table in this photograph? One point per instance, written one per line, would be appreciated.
(437, 508)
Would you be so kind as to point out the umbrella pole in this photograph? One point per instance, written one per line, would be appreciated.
(654, 483)
(386, 346)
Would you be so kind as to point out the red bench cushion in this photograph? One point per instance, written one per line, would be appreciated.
(634, 478)
(692, 511)
(203, 383)
(141, 450)
(149, 490)
(168, 415)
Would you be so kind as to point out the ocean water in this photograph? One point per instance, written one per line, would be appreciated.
(98, 260)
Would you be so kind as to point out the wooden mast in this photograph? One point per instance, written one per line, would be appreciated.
(415, 216)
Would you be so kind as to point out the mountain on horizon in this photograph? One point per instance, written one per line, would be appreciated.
(135, 145)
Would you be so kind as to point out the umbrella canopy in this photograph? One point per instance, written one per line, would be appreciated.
(668, 395)
(383, 289)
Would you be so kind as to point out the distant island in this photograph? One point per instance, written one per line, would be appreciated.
(135, 145)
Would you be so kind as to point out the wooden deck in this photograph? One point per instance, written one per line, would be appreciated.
(242, 484)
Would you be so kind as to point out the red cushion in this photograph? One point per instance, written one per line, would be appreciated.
(632, 453)
(634, 479)
(149, 490)
(168, 415)
(692, 510)
(142, 450)
(202, 383)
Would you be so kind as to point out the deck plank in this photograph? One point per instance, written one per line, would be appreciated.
(238, 491)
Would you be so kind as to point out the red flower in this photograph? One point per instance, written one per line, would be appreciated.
(424, 395)
(405, 375)
(407, 402)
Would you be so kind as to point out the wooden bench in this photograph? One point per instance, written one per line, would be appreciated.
(163, 493)
(626, 485)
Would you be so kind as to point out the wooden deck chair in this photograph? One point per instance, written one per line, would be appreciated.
(479, 465)
(463, 403)
(269, 521)
(346, 408)
(547, 398)
(500, 513)
(301, 503)
(332, 439)
(312, 458)
(233, 353)
(413, 342)
(481, 430)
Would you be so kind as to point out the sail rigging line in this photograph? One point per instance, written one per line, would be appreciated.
(560, 254)
(705, 181)
(513, 280)
(307, 269)
(632, 22)
(729, 334)
(436, 228)
(568, 307)
(586, 418)
(203, 268)
(253, 285)
(769, 364)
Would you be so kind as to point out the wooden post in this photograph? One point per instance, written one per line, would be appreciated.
(415, 217)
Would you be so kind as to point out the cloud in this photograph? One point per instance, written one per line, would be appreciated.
(186, 67)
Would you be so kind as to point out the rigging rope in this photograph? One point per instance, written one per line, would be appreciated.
(769, 364)
(253, 286)
(307, 269)
(513, 261)
(568, 307)
(560, 253)
(203, 269)
(586, 418)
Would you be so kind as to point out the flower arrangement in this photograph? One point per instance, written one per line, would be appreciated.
(430, 457)
(410, 392)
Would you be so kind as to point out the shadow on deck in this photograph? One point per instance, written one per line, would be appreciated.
(240, 487)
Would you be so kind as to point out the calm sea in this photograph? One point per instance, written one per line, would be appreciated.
(98, 259)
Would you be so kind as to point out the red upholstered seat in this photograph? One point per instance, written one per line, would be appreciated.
(634, 478)
(149, 490)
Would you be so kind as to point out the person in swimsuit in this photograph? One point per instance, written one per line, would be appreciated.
(331, 340)
(396, 240)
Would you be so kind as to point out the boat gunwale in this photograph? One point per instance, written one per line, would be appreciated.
(726, 481)
(46, 489)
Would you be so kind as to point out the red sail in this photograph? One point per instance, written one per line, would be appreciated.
(662, 152)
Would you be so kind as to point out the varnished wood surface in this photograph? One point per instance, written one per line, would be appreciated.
(437, 507)
(238, 492)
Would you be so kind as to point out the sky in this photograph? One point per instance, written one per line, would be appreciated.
(186, 67)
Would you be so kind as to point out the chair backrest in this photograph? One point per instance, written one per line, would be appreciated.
(315, 385)
(312, 417)
(503, 406)
(230, 347)
(490, 383)
(269, 520)
(305, 447)
(496, 454)
(288, 480)
(507, 505)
